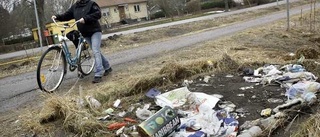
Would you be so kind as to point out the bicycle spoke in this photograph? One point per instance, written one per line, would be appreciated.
(86, 61)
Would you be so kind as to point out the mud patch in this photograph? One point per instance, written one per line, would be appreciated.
(175, 32)
(251, 101)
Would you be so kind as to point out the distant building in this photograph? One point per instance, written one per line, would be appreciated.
(115, 11)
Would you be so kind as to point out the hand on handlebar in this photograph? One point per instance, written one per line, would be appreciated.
(53, 17)
(67, 26)
(82, 21)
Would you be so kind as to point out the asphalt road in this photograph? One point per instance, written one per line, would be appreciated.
(212, 16)
(17, 90)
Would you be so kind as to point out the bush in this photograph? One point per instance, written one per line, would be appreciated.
(216, 4)
(19, 40)
(193, 6)
(258, 2)
(16, 47)
(159, 14)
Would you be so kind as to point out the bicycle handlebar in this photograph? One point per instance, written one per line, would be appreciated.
(64, 26)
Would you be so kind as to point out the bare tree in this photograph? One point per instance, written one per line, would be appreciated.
(54, 7)
(171, 7)
(193, 6)
(5, 17)
(18, 15)
(7, 4)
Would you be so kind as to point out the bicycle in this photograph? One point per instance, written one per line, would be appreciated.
(52, 66)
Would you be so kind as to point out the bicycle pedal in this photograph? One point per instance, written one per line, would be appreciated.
(80, 76)
(72, 68)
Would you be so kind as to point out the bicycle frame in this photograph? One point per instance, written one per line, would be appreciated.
(73, 61)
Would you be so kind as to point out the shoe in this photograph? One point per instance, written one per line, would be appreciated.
(96, 80)
(106, 72)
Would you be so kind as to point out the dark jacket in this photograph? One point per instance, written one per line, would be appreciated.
(89, 11)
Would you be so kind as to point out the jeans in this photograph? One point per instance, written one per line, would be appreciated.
(101, 62)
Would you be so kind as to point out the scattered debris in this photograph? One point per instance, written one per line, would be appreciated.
(206, 79)
(275, 100)
(187, 83)
(114, 37)
(240, 95)
(266, 112)
(245, 88)
(108, 111)
(152, 93)
(93, 103)
(162, 123)
(144, 113)
(229, 76)
(117, 103)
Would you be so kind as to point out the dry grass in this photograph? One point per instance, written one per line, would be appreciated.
(308, 52)
(66, 112)
(309, 128)
(18, 68)
(226, 64)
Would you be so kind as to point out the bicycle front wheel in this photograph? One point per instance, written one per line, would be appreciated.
(51, 69)
(86, 60)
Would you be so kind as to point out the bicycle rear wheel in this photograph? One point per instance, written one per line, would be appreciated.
(51, 69)
(86, 60)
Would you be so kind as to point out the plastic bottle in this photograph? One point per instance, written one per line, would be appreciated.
(144, 113)
(93, 102)
(252, 132)
(310, 97)
(117, 103)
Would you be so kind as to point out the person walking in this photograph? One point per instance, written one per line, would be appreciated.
(88, 13)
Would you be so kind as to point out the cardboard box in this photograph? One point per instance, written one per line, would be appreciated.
(161, 124)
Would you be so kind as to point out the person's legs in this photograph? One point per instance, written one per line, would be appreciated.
(105, 62)
(101, 62)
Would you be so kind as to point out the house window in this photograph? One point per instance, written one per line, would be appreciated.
(136, 8)
(105, 12)
(115, 10)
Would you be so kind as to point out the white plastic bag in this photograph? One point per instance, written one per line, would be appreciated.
(174, 98)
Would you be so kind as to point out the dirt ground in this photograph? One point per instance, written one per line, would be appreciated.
(252, 101)
(266, 44)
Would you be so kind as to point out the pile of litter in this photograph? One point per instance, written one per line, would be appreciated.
(299, 83)
(182, 113)
(178, 113)
(301, 89)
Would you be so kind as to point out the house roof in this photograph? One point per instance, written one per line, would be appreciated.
(107, 3)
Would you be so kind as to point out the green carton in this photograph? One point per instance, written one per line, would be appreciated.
(161, 124)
